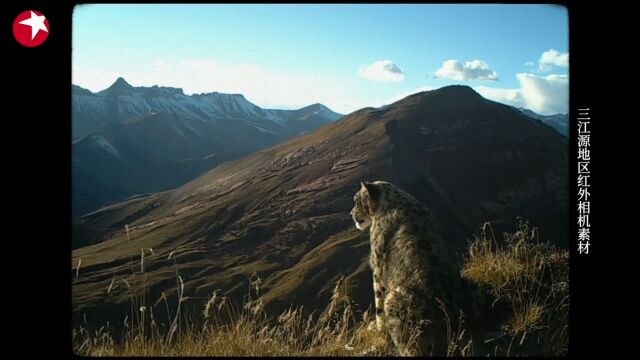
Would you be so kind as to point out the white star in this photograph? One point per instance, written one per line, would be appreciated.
(36, 22)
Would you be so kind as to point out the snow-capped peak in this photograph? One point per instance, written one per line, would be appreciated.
(122, 101)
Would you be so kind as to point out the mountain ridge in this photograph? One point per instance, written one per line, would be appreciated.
(121, 101)
(283, 212)
(148, 139)
(558, 121)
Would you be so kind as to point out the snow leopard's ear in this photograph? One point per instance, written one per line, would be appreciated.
(372, 190)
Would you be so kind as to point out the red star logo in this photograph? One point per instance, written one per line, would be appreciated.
(31, 28)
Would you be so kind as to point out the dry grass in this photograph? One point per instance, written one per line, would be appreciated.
(532, 277)
(225, 329)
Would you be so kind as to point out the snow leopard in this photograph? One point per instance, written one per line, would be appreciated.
(414, 273)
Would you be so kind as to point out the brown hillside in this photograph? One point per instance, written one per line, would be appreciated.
(283, 212)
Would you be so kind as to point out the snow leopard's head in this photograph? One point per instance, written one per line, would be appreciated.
(364, 204)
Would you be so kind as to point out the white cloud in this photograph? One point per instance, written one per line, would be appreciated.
(471, 70)
(529, 63)
(264, 87)
(383, 71)
(512, 97)
(554, 57)
(544, 95)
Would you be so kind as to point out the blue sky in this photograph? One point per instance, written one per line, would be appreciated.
(344, 56)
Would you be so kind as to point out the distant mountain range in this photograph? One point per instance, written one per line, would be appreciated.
(283, 212)
(560, 122)
(135, 140)
(121, 102)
